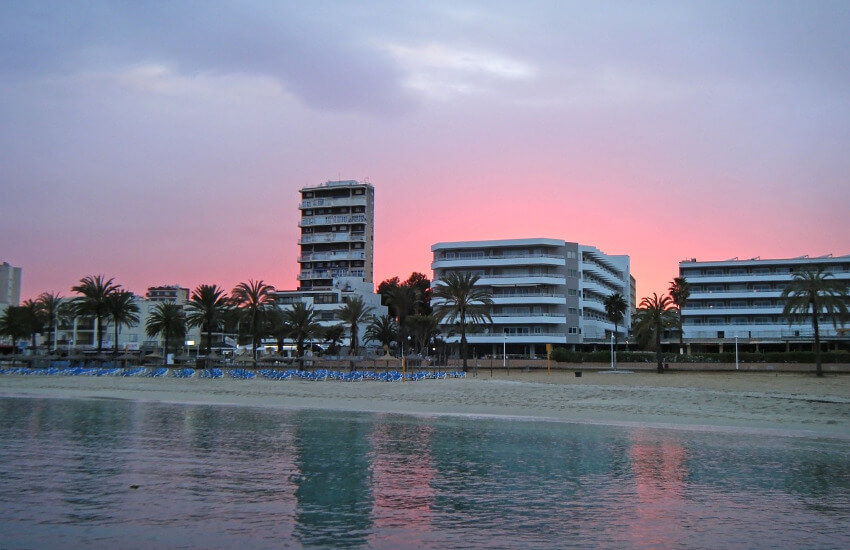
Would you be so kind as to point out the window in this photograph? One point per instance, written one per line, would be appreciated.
(572, 292)
(573, 330)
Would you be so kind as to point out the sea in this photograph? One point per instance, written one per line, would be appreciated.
(110, 473)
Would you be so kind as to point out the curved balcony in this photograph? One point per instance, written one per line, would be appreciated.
(530, 260)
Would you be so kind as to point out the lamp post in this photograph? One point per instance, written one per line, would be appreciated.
(612, 351)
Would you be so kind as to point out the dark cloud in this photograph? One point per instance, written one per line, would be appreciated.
(322, 61)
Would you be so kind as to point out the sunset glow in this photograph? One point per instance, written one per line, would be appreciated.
(150, 145)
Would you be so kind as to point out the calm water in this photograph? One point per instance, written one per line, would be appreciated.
(223, 477)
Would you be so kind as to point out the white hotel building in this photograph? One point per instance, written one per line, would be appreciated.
(545, 291)
(742, 299)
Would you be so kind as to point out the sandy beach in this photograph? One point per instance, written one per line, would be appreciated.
(784, 403)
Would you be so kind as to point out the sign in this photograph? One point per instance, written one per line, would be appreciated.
(229, 341)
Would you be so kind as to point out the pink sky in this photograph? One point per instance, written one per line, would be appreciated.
(172, 152)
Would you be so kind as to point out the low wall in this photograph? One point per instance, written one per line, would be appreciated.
(535, 364)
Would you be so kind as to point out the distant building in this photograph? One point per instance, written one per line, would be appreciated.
(10, 285)
(742, 299)
(337, 233)
(545, 291)
(172, 293)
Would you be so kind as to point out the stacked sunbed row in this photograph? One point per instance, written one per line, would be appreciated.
(237, 373)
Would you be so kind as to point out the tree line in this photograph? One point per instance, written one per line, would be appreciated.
(416, 310)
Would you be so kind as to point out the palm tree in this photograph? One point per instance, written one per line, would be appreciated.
(354, 313)
(680, 291)
(17, 323)
(254, 298)
(35, 320)
(53, 309)
(813, 293)
(423, 328)
(167, 319)
(403, 299)
(94, 291)
(207, 308)
(383, 330)
(123, 311)
(615, 308)
(302, 324)
(460, 300)
(653, 316)
(334, 335)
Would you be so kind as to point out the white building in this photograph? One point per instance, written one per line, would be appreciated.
(545, 291)
(337, 233)
(80, 334)
(741, 299)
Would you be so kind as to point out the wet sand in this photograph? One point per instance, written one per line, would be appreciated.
(783, 403)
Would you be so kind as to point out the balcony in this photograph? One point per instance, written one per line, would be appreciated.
(520, 279)
(359, 200)
(311, 221)
(332, 256)
(332, 238)
(557, 299)
(496, 261)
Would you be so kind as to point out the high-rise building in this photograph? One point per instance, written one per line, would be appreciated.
(10, 285)
(742, 299)
(337, 233)
(336, 250)
(545, 291)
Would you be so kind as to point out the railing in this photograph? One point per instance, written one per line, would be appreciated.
(332, 237)
(516, 295)
(322, 256)
(341, 201)
(444, 258)
(523, 276)
(310, 221)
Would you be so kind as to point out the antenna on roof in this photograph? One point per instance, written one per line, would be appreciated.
(825, 256)
(755, 258)
(735, 259)
(803, 257)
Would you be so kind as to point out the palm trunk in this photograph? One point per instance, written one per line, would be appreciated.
(165, 350)
(658, 330)
(115, 344)
(463, 340)
(816, 328)
(209, 340)
(99, 334)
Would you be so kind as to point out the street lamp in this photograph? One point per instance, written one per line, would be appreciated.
(612, 351)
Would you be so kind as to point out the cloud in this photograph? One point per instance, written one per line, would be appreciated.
(440, 70)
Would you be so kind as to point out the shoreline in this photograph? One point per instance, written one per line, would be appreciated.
(780, 404)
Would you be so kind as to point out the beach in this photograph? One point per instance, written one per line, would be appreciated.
(783, 403)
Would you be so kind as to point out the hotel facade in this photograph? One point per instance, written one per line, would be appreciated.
(545, 291)
(741, 299)
(337, 233)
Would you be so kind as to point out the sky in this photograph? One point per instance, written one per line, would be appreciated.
(165, 142)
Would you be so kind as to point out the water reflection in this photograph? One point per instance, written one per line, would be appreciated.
(333, 481)
(230, 476)
(402, 472)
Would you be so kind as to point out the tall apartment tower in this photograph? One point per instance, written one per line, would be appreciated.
(337, 233)
(10, 285)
